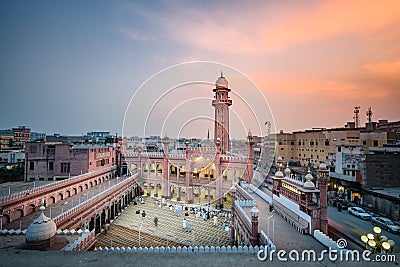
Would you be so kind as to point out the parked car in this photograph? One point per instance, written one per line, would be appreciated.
(340, 201)
(385, 223)
(359, 212)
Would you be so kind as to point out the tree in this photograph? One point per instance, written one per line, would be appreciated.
(10, 142)
(108, 140)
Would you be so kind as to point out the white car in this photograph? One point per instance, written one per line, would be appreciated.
(385, 223)
(359, 212)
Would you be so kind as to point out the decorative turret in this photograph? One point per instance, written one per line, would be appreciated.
(309, 184)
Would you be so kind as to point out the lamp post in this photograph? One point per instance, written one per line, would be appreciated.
(377, 243)
(140, 229)
(273, 226)
(62, 207)
(1, 218)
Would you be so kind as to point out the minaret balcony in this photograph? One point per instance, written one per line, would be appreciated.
(222, 101)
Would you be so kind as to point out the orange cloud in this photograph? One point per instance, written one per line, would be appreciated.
(290, 27)
(317, 88)
(387, 69)
(332, 18)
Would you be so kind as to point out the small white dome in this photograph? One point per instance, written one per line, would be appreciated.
(309, 185)
(287, 170)
(279, 174)
(322, 167)
(221, 82)
(309, 175)
(41, 229)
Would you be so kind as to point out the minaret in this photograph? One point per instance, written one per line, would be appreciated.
(221, 104)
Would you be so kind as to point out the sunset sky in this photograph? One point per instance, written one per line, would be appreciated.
(72, 66)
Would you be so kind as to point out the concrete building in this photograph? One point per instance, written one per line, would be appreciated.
(22, 134)
(368, 178)
(99, 137)
(49, 161)
(35, 136)
(309, 148)
(11, 157)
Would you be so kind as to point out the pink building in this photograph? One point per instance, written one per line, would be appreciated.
(49, 161)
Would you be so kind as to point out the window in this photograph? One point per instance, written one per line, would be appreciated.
(375, 142)
(364, 142)
(339, 149)
(327, 142)
(32, 149)
(31, 165)
(65, 167)
(51, 166)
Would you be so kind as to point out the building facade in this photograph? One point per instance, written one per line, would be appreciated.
(47, 161)
(309, 148)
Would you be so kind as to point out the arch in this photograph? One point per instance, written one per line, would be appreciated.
(75, 190)
(99, 181)
(18, 213)
(203, 173)
(102, 179)
(95, 182)
(60, 197)
(68, 193)
(173, 170)
(31, 208)
(133, 167)
(182, 171)
(239, 174)
(86, 187)
(145, 167)
(91, 184)
(81, 188)
(159, 168)
(50, 200)
(6, 219)
(227, 174)
(152, 167)
(195, 173)
(124, 168)
(212, 174)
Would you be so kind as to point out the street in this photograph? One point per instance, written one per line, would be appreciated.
(355, 227)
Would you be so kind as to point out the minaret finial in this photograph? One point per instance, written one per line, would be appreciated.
(222, 75)
(208, 134)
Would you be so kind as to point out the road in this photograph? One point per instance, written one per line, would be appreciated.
(355, 227)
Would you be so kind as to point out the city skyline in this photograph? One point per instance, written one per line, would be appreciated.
(71, 67)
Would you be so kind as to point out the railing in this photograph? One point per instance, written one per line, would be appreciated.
(53, 186)
(185, 249)
(244, 220)
(87, 205)
(243, 193)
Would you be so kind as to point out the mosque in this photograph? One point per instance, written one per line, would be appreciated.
(209, 170)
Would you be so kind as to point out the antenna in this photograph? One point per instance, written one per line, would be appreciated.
(356, 116)
(369, 114)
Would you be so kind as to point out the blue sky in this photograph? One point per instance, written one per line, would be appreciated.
(72, 66)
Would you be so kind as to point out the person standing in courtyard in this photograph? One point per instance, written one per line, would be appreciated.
(184, 225)
(156, 221)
